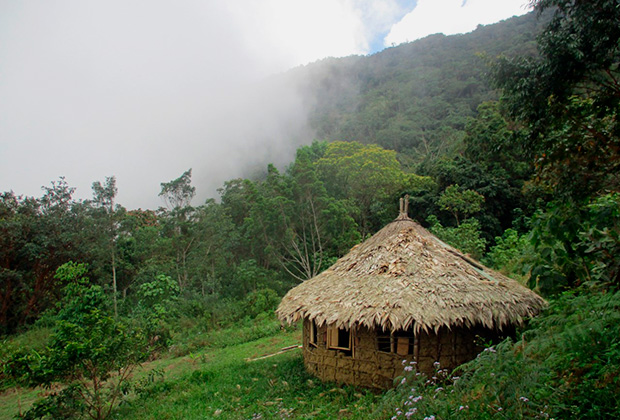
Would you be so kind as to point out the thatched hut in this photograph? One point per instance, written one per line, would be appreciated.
(401, 295)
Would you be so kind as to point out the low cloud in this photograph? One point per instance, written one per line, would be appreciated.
(451, 17)
(146, 89)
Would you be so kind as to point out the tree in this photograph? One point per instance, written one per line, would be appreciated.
(18, 218)
(91, 353)
(500, 200)
(37, 235)
(495, 144)
(300, 226)
(178, 195)
(103, 199)
(577, 243)
(567, 100)
(142, 251)
(460, 203)
(153, 308)
(466, 235)
(568, 96)
(496, 165)
(368, 174)
(213, 255)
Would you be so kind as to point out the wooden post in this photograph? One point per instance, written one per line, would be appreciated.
(404, 207)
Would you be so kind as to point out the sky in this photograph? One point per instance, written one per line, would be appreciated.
(145, 89)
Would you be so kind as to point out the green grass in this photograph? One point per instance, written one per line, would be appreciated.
(221, 383)
(194, 337)
(16, 400)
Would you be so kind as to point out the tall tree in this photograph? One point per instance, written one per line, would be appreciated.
(108, 215)
(178, 195)
(567, 98)
(37, 235)
(213, 255)
(293, 222)
(460, 202)
(368, 174)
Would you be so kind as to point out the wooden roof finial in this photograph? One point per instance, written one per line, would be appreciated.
(404, 208)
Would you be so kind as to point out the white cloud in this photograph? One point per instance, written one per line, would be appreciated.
(298, 32)
(148, 88)
(451, 17)
(145, 89)
(303, 31)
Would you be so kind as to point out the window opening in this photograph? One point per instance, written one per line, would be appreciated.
(313, 334)
(339, 339)
(384, 341)
(344, 339)
(403, 342)
(400, 342)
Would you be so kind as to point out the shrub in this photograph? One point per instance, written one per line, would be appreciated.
(465, 237)
(578, 243)
(260, 301)
(512, 255)
(89, 352)
(153, 311)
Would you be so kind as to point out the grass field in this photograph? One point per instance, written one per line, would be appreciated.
(219, 381)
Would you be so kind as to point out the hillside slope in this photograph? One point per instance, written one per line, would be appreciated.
(413, 98)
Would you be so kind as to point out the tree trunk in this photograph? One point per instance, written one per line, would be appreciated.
(114, 289)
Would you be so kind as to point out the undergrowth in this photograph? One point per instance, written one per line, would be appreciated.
(196, 337)
(565, 365)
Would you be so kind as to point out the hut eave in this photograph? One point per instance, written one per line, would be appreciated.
(404, 276)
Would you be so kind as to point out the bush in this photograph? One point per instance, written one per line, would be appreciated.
(260, 301)
(512, 255)
(154, 309)
(465, 237)
(89, 352)
(578, 243)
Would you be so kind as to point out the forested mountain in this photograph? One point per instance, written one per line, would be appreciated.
(414, 98)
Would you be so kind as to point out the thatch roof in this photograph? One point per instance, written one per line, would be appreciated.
(404, 276)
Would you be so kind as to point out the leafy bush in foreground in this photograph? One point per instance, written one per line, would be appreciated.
(90, 353)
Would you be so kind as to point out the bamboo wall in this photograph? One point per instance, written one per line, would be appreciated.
(368, 367)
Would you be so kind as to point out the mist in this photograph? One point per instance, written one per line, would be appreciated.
(145, 89)
(142, 91)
